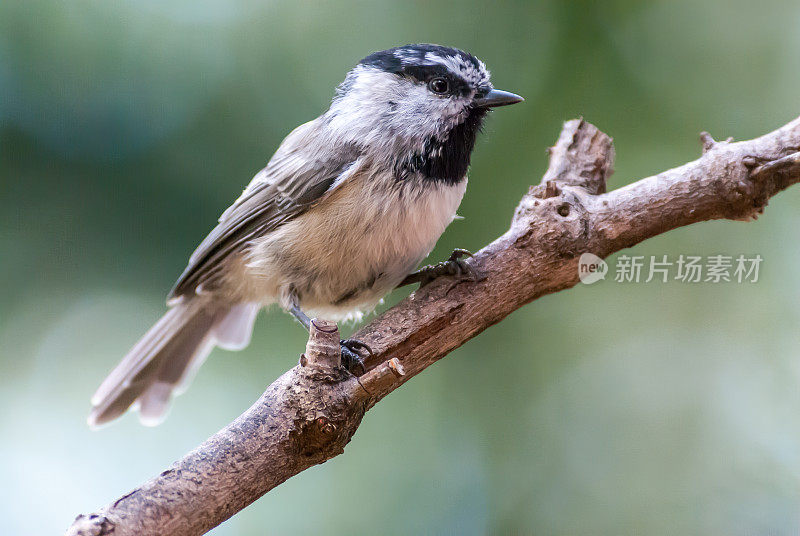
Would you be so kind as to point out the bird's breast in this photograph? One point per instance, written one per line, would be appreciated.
(345, 253)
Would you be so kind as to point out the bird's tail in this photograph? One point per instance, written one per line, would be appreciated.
(166, 357)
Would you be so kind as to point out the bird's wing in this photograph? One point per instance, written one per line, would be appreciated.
(300, 173)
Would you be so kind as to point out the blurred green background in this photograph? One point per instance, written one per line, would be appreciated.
(127, 127)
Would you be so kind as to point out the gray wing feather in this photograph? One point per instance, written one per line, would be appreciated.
(294, 179)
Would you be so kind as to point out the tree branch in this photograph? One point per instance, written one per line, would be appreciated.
(309, 414)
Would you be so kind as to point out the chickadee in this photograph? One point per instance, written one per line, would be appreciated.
(348, 206)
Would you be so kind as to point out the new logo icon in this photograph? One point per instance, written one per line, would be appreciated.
(591, 268)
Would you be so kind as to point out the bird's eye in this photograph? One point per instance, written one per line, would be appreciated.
(439, 85)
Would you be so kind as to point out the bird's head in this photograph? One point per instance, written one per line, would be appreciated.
(412, 94)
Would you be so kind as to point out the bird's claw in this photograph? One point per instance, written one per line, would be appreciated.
(455, 266)
(461, 269)
(350, 358)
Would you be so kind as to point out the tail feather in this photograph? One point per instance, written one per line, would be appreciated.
(154, 402)
(163, 361)
(137, 357)
(183, 355)
(234, 330)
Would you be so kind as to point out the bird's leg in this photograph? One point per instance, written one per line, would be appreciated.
(455, 266)
(300, 315)
(349, 347)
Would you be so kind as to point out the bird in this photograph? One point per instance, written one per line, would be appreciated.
(343, 213)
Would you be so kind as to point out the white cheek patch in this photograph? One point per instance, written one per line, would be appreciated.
(415, 110)
(381, 108)
(355, 115)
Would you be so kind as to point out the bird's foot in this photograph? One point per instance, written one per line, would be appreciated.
(455, 266)
(351, 360)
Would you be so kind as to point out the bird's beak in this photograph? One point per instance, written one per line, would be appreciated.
(497, 97)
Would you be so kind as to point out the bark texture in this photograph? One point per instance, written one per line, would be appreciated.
(309, 414)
